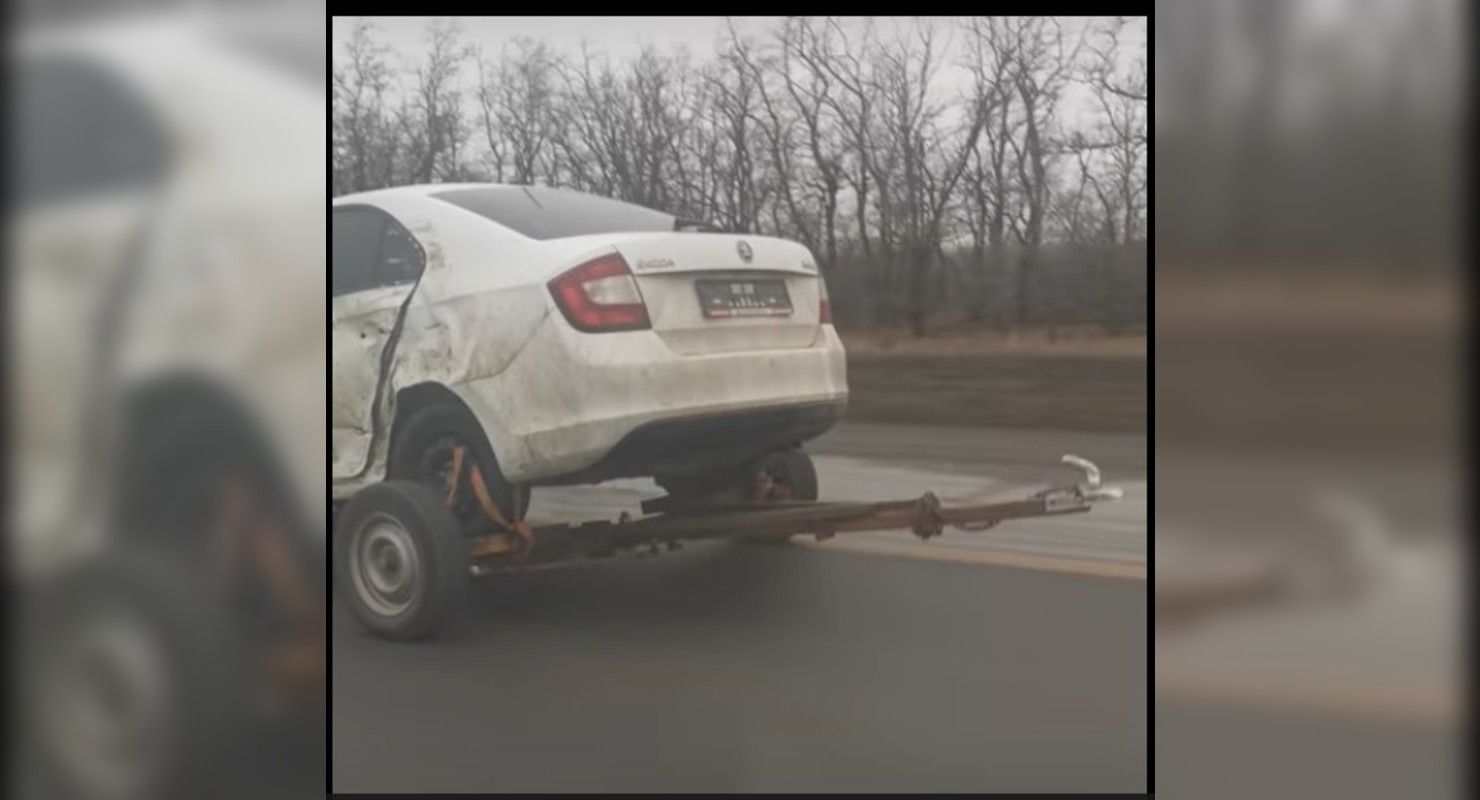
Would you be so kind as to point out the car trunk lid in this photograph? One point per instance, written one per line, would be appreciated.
(745, 282)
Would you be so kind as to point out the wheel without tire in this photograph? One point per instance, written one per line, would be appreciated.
(401, 560)
(423, 452)
(793, 472)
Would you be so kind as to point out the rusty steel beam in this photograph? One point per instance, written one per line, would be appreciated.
(926, 516)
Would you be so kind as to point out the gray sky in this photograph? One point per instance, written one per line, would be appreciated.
(619, 37)
(624, 37)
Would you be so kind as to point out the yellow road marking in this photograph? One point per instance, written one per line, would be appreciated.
(995, 558)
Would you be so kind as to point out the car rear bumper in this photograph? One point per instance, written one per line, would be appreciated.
(580, 408)
(708, 442)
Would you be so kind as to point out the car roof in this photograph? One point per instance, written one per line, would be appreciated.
(427, 189)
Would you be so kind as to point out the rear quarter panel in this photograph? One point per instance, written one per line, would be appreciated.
(480, 299)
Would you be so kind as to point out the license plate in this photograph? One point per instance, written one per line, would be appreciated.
(743, 298)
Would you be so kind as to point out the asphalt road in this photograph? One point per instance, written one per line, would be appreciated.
(1008, 660)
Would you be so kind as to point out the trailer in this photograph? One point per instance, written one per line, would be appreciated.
(404, 561)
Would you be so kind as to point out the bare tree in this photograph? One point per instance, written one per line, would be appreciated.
(363, 141)
(597, 131)
(803, 142)
(992, 58)
(828, 52)
(833, 133)
(1118, 136)
(431, 119)
(823, 134)
(1104, 72)
(1044, 55)
(517, 99)
(932, 153)
(736, 96)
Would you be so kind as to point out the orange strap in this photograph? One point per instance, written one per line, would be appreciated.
(457, 465)
(520, 529)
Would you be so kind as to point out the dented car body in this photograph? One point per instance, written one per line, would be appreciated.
(591, 339)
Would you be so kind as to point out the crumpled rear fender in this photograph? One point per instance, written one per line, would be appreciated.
(452, 342)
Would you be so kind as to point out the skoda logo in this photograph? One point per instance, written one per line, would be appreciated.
(744, 250)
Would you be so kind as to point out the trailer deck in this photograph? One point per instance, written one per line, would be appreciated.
(926, 516)
(404, 558)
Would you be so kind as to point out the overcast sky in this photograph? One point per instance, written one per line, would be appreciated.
(624, 37)
(619, 37)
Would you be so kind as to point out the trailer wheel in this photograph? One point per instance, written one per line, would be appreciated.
(134, 685)
(792, 476)
(401, 559)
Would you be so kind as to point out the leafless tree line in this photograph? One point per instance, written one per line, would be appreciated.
(1297, 136)
(916, 201)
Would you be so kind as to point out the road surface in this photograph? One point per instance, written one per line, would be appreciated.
(1009, 660)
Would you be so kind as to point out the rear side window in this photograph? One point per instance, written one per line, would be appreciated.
(543, 213)
(400, 256)
(357, 235)
(371, 251)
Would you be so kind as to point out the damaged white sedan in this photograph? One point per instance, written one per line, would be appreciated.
(546, 336)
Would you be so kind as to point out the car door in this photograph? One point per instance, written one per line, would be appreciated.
(376, 265)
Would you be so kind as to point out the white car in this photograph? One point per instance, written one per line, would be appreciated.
(565, 338)
(167, 286)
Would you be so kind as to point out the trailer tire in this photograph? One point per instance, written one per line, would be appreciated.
(401, 560)
(793, 469)
(145, 625)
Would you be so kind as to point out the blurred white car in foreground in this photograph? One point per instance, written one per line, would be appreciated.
(167, 369)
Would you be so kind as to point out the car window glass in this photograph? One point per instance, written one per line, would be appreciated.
(357, 235)
(400, 257)
(79, 132)
(540, 212)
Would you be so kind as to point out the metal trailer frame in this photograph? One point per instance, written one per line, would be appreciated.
(523, 546)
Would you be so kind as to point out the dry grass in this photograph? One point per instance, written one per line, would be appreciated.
(998, 390)
(1300, 302)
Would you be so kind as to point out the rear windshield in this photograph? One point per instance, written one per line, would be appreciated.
(540, 212)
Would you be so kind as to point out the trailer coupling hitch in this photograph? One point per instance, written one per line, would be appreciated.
(928, 519)
(1082, 495)
(1091, 489)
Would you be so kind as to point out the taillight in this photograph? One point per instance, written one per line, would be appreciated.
(824, 306)
(600, 296)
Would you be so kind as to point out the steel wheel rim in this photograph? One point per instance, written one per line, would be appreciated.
(106, 707)
(385, 566)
